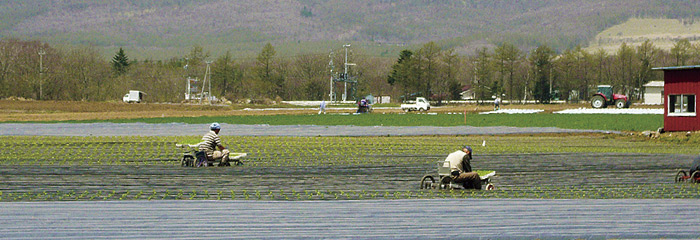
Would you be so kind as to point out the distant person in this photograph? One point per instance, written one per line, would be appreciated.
(362, 106)
(695, 166)
(322, 108)
(460, 166)
(497, 104)
(211, 145)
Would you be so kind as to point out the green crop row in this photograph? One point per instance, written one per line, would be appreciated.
(675, 191)
(310, 151)
(616, 122)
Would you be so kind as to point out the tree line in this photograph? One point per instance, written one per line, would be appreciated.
(36, 70)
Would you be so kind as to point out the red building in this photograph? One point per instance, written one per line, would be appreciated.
(681, 86)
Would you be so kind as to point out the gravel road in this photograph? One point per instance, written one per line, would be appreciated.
(372, 219)
(183, 129)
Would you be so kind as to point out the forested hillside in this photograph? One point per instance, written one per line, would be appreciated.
(260, 51)
(163, 29)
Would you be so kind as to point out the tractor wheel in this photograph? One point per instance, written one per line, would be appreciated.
(681, 176)
(598, 102)
(695, 178)
(428, 182)
(620, 103)
(445, 182)
(187, 161)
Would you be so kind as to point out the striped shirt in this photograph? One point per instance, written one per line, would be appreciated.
(209, 142)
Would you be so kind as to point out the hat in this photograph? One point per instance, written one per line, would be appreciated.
(214, 126)
(467, 147)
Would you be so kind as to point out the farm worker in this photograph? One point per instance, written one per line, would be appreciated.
(210, 143)
(695, 166)
(460, 164)
(497, 104)
(361, 104)
(322, 108)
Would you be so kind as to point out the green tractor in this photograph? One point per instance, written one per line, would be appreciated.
(605, 96)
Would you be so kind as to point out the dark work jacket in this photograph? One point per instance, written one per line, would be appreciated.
(466, 163)
(695, 166)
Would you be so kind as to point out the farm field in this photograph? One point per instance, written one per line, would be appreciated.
(119, 185)
(555, 166)
(606, 122)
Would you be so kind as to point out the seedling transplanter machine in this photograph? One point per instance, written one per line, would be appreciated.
(192, 157)
(446, 180)
(683, 176)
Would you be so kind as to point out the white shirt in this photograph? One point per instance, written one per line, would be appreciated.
(455, 160)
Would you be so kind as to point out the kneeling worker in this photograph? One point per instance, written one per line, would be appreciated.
(460, 165)
(210, 143)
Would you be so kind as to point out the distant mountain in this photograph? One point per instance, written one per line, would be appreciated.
(664, 33)
(167, 28)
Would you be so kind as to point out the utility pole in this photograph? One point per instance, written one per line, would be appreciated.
(551, 69)
(345, 84)
(331, 96)
(209, 78)
(188, 90)
(41, 73)
(207, 74)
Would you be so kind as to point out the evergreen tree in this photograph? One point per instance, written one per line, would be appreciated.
(447, 80)
(271, 83)
(120, 63)
(506, 56)
(402, 73)
(225, 75)
(483, 73)
(541, 60)
(429, 54)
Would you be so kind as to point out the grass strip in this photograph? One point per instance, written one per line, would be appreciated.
(613, 122)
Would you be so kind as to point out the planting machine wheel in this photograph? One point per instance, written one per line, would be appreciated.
(224, 164)
(428, 182)
(681, 176)
(598, 102)
(695, 178)
(187, 161)
(445, 182)
(620, 103)
(489, 187)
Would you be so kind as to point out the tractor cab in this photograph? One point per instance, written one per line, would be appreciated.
(606, 91)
